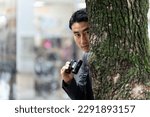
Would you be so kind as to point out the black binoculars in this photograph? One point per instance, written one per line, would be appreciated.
(74, 66)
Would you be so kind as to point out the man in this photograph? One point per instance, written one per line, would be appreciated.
(78, 87)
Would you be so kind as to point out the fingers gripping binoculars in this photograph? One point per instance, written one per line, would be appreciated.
(74, 66)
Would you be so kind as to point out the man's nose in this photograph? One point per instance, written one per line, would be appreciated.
(83, 38)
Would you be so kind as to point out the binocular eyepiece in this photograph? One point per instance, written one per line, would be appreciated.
(74, 66)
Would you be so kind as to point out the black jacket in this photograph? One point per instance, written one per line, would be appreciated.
(80, 88)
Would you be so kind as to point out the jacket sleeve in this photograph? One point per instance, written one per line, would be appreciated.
(77, 88)
(74, 90)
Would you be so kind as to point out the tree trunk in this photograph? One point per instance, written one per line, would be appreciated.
(120, 58)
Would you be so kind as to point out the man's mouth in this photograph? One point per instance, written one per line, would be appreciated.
(85, 46)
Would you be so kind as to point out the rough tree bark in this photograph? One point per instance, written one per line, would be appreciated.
(120, 59)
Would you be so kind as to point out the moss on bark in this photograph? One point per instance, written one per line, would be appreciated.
(120, 59)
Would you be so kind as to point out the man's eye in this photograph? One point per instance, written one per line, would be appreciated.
(87, 31)
(77, 35)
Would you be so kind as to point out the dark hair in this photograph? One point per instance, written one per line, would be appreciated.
(78, 16)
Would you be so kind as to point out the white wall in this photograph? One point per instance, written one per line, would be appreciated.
(25, 34)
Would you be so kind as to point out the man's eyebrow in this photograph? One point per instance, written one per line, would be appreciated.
(86, 29)
(82, 31)
(75, 32)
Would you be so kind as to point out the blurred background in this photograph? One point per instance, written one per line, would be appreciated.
(35, 42)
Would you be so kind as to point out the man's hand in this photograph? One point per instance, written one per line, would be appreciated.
(67, 77)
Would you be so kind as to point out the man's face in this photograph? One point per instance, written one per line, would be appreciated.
(81, 35)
